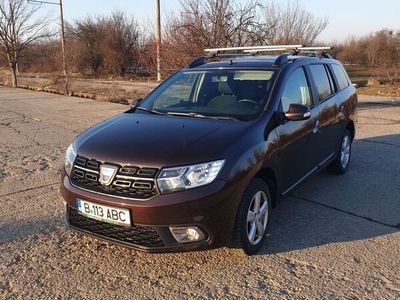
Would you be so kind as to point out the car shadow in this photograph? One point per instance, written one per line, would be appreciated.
(359, 205)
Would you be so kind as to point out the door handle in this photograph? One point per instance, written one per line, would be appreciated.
(317, 127)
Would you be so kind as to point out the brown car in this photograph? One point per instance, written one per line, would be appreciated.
(202, 160)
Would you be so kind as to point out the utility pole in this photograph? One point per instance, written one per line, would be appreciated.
(64, 60)
(158, 39)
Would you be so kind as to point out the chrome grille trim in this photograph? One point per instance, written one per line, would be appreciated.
(135, 186)
(122, 183)
(133, 178)
(143, 185)
(87, 170)
(104, 194)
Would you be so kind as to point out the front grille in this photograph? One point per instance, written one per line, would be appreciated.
(135, 235)
(129, 182)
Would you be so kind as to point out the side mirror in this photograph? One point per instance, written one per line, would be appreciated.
(298, 112)
(356, 85)
(135, 102)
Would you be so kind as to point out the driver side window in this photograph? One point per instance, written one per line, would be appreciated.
(296, 90)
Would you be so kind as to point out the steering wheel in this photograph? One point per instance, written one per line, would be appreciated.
(250, 101)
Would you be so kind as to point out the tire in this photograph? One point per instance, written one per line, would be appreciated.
(342, 161)
(244, 227)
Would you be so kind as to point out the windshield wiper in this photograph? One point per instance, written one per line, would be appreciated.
(197, 115)
(149, 110)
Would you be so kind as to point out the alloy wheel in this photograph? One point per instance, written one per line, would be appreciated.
(345, 151)
(257, 217)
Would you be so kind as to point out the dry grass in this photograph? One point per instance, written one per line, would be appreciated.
(387, 90)
(360, 76)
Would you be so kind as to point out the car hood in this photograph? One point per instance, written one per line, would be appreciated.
(157, 141)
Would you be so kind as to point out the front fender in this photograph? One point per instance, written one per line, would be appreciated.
(254, 160)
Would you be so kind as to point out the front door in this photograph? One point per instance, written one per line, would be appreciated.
(299, 155)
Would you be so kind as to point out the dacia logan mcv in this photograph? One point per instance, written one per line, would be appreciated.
(201, 161)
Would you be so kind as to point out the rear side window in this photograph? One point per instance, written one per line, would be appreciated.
(321, 79)
(340, 76)
(296, 90)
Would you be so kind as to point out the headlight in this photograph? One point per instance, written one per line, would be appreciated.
(182, 178)
(70, 156)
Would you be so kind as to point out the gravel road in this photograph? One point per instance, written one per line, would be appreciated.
(336, 237)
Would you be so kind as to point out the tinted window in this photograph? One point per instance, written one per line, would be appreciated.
(318, 72)
(340, 76)
(296, 90)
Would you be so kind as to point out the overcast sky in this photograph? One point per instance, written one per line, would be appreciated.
(346, 17)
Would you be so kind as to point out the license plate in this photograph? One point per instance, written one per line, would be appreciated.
(104, 213)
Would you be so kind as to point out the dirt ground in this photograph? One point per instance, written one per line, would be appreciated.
(337, 237)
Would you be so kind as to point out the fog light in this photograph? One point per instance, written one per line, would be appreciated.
(187, 234)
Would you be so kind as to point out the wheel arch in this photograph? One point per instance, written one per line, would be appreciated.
(269, 177)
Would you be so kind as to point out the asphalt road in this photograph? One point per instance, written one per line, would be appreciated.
(336, 237)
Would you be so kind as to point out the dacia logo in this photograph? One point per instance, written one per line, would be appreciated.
(107, 173)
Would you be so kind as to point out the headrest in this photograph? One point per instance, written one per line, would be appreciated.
(224, 88)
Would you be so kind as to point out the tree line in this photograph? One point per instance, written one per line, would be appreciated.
(120, 45)
(377, 49)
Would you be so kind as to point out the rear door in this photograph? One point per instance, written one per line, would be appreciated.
(326, 93)
(297, 138)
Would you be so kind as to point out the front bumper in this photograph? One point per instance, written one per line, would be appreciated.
(211, 208)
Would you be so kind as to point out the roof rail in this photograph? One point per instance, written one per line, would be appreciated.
(197, 62)
(202, 60)
(253, 48)
(292, 48)
(234, 52)
(256, 49)
(315, 48)
(321, 52)
(317, 54)
(281, 59)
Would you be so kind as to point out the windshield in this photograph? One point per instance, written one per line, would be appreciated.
(238, 94)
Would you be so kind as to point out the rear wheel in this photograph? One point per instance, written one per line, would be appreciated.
(342, 161)
(252, 217)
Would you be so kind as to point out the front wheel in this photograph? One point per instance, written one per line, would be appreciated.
(252, 217)
(342, 161)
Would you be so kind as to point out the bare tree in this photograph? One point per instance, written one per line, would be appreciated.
(18, 29)
(116, 43)
(291, 24)
(227, 23)
(214, 23)
(86, 37)
(377, 49)
(203, 24)
(120, 43)
(104, 43)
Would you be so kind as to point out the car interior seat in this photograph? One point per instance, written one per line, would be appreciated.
(225, 99)
(252, 90)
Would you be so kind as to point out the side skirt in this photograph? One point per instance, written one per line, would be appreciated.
(315, 170)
